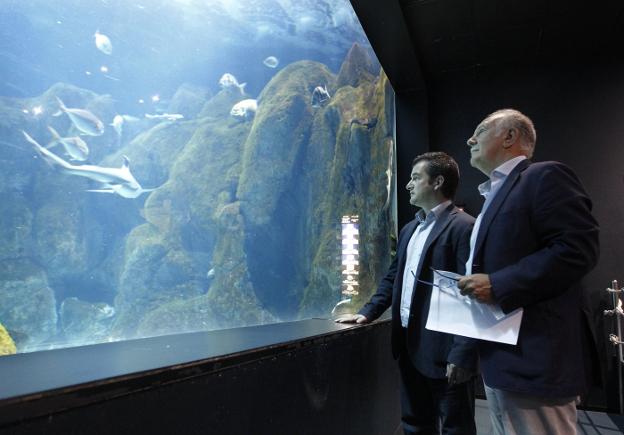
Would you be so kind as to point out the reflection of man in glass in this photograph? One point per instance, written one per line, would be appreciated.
(532, 243)
(436, 369)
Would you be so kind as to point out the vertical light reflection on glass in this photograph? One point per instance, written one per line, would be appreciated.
(350, 255)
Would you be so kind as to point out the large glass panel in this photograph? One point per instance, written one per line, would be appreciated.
(183, 165)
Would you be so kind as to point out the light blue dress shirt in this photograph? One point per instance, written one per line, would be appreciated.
(489, 189)
(414, 252)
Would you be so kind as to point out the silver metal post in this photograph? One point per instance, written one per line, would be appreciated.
(618, 322)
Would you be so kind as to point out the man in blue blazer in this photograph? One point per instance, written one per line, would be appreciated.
(532, 243)
(437, 370)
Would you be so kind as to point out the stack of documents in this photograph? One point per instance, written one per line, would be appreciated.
(453, 313)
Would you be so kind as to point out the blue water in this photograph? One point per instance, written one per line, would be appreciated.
(160, 44)
(233, 220)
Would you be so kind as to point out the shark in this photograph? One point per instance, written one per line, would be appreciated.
(114, 180)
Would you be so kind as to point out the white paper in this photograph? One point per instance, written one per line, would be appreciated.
(453, 313)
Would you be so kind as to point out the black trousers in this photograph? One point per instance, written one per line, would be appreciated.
(432, 406)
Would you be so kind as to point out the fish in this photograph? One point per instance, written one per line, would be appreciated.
(130, 118)
(228, 81)
(105, 311)
(103, 43)
(86, 122)
(117, 124)
(114, 180)
(244, 109)
(74, 146)
(388, 173)
(342, 302)
(119, 121)
(165, 116)
(319, 96)
(271, 62)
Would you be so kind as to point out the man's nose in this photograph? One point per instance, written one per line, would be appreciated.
(409, 186)
(472, 141)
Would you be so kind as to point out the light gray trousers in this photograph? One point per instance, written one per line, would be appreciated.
(522, 414)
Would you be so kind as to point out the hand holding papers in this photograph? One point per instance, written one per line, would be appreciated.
(453, 313)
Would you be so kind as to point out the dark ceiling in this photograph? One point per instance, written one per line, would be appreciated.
(450, 36)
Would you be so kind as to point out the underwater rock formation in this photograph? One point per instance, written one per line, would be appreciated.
(15, 226)
(274, 209)
(28, 304)
(357, 68)
(185, 215)
(7, 345)
(82, 322)
(189, 100)
(356, 184)
(152, 275)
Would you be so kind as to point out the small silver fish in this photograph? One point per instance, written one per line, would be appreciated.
(103, 43)
(85, 121)
(228, 81)
(117, 124)
(271, 62)
(74, 146)
(320, 95)
(244, 109)
(165, 116)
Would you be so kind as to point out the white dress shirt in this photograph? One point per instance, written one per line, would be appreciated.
(414, 252)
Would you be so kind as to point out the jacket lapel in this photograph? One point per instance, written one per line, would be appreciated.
(441, 223)
(498, 200)
(402, 252)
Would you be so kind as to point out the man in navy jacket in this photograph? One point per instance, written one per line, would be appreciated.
(436, 369)
(532, 243)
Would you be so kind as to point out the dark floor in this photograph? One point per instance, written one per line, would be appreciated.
(589, 422)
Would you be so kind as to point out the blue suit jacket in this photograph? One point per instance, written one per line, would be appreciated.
(537, 240)
(446, 248)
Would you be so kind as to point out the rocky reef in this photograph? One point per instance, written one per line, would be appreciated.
(242, 226)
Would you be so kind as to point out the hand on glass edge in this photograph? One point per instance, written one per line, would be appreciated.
(352, 318)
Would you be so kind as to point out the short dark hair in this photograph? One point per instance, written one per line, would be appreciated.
(439, 163)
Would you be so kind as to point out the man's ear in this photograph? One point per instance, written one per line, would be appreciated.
(438, 182)
(511, 137)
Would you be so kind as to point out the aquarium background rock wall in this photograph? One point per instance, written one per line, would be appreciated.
(237, 219)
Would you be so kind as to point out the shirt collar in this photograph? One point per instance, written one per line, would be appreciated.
(500, 173)
(434, 213)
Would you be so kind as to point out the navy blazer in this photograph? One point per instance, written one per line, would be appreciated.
(446, 248)
(536, 241)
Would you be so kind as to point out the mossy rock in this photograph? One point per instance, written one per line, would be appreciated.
(356, 181)
(195, 314)
(61, 243)
(15, 227)
(280, 131)
(154, 272)
(203, 178)
(7, 345)
(219, 106)
(357, 68)
(28, 303)
(82, 322)
(188, 100)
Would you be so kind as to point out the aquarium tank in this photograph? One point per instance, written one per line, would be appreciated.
(171, 166)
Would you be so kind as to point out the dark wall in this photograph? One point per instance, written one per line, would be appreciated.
(578, 111)
(412, 134)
